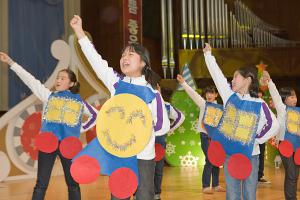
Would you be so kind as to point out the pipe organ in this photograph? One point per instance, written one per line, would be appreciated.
(211, 21)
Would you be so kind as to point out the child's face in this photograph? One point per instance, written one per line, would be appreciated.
(240, 84)
(131, 63)
(63, 81)
(291, 100)
(211, 96)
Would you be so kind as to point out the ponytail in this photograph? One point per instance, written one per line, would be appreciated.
(75, 88)
(251, 72)
(72, 76)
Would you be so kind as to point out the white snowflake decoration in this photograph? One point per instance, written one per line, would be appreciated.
(194, 125)
(192, 115)
(170, 148)
(181, 129)
(182, 142)
(199, 143)
(192, 143)
(188, 160)
(171, 133)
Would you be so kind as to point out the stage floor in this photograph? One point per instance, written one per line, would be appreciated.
(178, 183)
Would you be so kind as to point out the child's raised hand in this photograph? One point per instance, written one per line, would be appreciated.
(180, 79)
(76, 24)
(265, 77)
(5, 58)
(207, 48)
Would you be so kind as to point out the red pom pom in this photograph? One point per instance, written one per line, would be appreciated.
(286, 148)
(297, 157)
(239, 166)
(123, 183)
(85, 169)
(216, 154)
(70, 147)
(46, 142)
(159, 152)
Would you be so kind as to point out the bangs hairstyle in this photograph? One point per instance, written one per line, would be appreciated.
(210, 89)
(72, 76)
(151, 77)
(285, 92)
(251, 71)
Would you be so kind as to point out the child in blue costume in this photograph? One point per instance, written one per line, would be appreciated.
(210, 93)
(177, 118)
(285, 102)
(139, 80)
(67, 122)
(246, 122)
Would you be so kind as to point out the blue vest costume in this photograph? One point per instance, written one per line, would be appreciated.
(292, 130)
(63, 114)
(108, 162)
(212, 116)
(237, 129)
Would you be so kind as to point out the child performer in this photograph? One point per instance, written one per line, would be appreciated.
(285, 102)
(140, 80)
(246, 122)
(177, 118)
(209, 171)
(61, 125)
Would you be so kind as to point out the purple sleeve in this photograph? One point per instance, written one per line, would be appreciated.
(93, 114)
(177, 120)
(159, 113)
(268, 125)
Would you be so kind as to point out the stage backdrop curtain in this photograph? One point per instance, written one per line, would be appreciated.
(33, 26)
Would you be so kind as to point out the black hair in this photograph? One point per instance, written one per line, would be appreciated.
(166, 94)
(210, 89)
(251, 71)
(285, 92)
(151, 77)
(72, 76)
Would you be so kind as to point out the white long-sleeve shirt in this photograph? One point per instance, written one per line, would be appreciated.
(200, 102)
(109, 78)
(268, 125)
(43, 93)
(280, 109)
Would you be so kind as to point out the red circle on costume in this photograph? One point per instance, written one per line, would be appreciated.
(46, 142)
(123, 183)
(159, 152)
(286, 148)
(239, 166)
(70, 147)
(297, 157)
(216, 154)
(85, 169)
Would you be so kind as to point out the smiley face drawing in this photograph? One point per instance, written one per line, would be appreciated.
(124, 125)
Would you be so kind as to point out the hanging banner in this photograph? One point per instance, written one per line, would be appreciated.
(132, 21)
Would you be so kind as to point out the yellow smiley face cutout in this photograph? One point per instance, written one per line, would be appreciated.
(124, 125)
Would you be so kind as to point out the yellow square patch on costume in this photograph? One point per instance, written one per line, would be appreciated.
(238, 125)
(62, 110)
(293, 122)
(213, 116)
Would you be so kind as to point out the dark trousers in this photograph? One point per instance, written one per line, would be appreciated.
(261, 165)
(145, 190)
(209, 171)
(45, 166)
(158, 176)
(290, 178)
